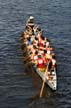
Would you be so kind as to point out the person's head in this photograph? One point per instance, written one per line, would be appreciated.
(47, 40)
(44, 45)
(45, 51)
(39, 55)
(53, 56)
(32, 43)
(31, 52)
(39, 29)
(34, 46)
(38, 34)
(36, 52)
(36, 38)
(29, 38)
(42, 37)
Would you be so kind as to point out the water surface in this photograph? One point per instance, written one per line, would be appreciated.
(16, 85)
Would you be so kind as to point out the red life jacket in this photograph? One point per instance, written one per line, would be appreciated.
(41, 43)
(43, 55)
(47, 60)
(40, 63)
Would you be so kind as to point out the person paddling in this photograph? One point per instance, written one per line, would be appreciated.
(53, 61)
(41, 63)
(35, 57)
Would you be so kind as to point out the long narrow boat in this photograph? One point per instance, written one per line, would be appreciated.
(52, 81)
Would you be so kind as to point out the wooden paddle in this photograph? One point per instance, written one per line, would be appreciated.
(43, 84)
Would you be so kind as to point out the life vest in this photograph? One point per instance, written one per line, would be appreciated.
(43, 55)
(41, 43)
(40, 63)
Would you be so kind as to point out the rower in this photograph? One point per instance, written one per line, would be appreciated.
(47, 56)
(32, 38)
(41, 63)
(49, 50)
(41, 42)
(35, 41)
(47, 42)
(35, 57)
(53, 61)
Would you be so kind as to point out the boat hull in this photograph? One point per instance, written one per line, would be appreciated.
(52, 83)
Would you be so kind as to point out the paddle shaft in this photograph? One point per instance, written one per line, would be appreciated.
(41, 92)
(43, 84)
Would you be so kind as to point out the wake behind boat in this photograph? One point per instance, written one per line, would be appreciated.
(39, 53)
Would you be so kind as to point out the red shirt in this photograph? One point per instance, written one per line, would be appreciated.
(41, 42)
